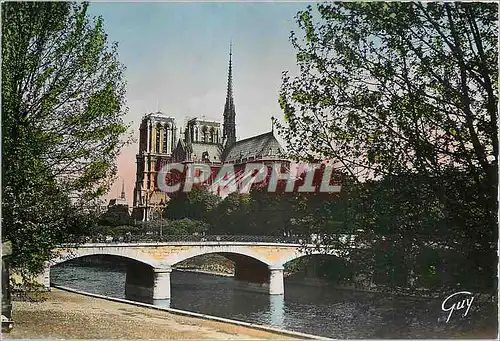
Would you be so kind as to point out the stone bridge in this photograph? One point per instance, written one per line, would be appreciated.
(257, 265)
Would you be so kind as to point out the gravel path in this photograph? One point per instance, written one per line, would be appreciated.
(69, 315)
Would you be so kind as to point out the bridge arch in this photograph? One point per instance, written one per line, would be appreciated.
(253, 270)
(257, 266)
(124, 252)
(175, 258)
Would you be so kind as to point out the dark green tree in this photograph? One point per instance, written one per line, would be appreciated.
(62, 124)
(186, 226)
(232, 216)
(391, 88)
(404, 93)
(328, 214)
(196, 204)
(116, 216)
(269, 213)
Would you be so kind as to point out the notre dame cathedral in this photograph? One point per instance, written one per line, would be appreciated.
(200, 142)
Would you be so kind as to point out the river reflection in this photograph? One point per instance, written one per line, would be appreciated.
(316, 310)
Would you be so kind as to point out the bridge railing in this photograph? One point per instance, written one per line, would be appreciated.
(191, 238)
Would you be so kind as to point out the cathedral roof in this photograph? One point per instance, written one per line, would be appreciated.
(256, 147)
(213, 150)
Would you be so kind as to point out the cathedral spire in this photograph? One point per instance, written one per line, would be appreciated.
(123, 190)
(229, 129)
(229, 95)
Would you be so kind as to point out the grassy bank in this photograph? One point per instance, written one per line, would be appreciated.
(68, 315)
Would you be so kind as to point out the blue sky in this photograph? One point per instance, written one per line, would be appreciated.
(176, 56)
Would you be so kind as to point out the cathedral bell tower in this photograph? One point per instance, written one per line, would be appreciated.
(157, 138)
(229, 129)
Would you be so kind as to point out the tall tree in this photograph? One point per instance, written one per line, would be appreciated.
(388, 88)
(406, 90)
(196, 204)
(231, 216)
(62, 122)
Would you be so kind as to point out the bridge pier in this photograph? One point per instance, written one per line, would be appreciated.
(276, 285)
(277, 309)
(143, 281)
(161, 286)
(266, 280)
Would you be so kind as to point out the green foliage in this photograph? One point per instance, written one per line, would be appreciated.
(196, 204)
(296, 265)
(186, 226)
(62, 79)
(256, 213)
(36, 217)
(116, 216)
(115, 230)
(409, 92)
(62, 125)
(326, 213)
(403, 97)
(269, 214)
(333, 269)
(232, 216)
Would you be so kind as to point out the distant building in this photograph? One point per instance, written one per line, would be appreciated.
(201, 142)
(118, 210)
(119, 203)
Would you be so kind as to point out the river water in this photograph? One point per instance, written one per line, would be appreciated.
(323, 311)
